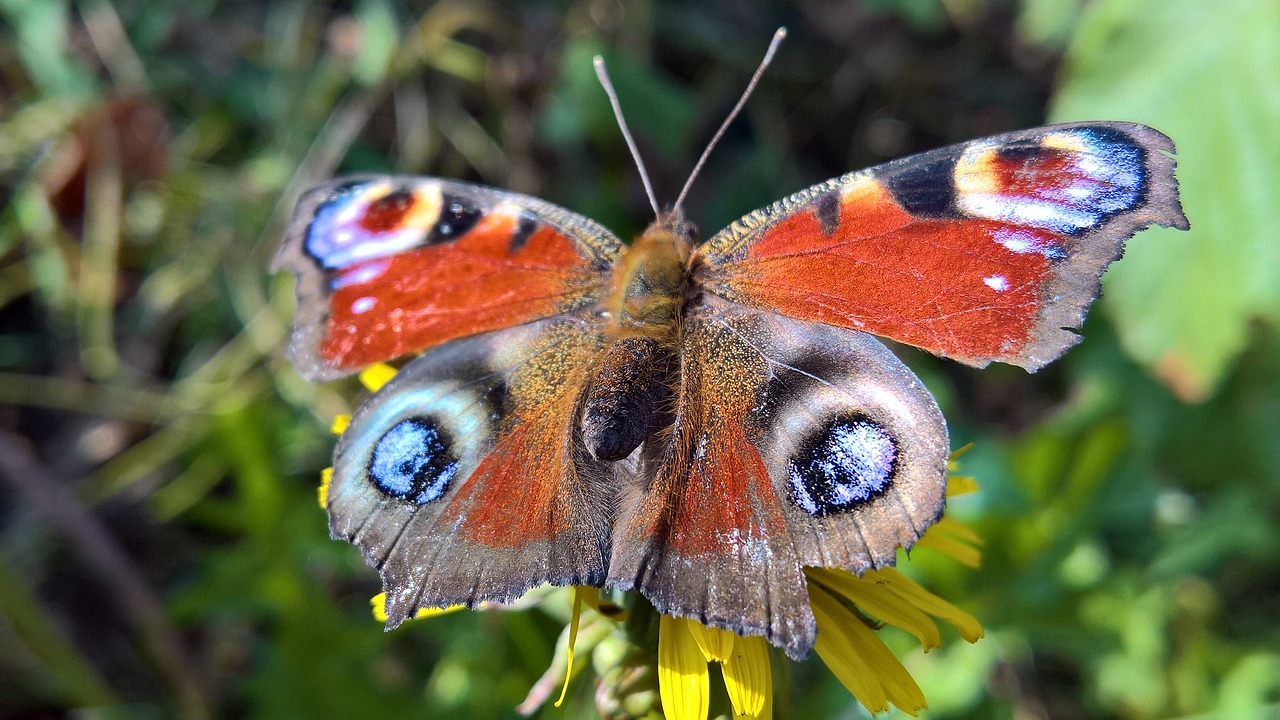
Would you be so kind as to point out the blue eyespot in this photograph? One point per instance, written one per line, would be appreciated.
(413, 460)
(849, 462)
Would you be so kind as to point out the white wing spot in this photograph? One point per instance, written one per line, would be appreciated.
(996, 282)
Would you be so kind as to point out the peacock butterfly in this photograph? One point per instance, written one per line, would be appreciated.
(697, 421)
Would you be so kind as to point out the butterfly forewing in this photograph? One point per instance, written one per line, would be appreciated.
(987, 250)
(392, 265)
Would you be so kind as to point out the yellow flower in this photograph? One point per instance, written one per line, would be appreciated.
(376, 375)
(686, 647)
(851, 648)
(846, 643)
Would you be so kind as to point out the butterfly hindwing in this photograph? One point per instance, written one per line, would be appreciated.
(392, 265)
(464, 479)
(987, 250)
(795, 444)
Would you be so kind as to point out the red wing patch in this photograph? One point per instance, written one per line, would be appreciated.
(526, 487)
(506, 502)
(390, 266)
(955, 294)
(979, 252)
(729, 500)
(388, 307)
(716, 503)
(518, 494)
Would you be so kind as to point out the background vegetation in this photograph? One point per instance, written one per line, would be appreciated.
(162, 551)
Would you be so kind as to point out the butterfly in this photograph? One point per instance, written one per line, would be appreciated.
(694, 420)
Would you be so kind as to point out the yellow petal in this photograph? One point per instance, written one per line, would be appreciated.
(766, 713)
(377, 375)
(683, 680)
(957, 453)
(379, 603)
(573, 637)
(959, 530)
(747, 677)
(965, 554)
(911, 591)
(860, 660)
(322, 494)
(880, 602)
(433, 612)
(591, 598)
(340, 424)
(836, 648)
(961, 485)
(894, 678)
(716, 644)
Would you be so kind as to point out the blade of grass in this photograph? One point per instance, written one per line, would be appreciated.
(95, 315)
(60, 508)
(139, 404)
(45, 640)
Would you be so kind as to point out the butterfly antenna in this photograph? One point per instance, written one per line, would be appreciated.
(768, 58)
(607, 84)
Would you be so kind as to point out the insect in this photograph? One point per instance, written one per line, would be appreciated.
(697, 421)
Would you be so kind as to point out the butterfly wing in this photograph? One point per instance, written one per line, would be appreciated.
(392, 265)
(464, 479)
(801, 441)
(795, 444)
(987, 250)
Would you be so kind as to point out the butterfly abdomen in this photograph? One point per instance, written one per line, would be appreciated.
(629, 398)
(630, 395)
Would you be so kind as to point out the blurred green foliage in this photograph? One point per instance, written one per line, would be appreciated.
(150, 152)
(1183, 303)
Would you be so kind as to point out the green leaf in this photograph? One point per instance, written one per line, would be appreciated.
(1048, 22)
(43, 30)
(1207, 75)
(658, 110)
(379, 36)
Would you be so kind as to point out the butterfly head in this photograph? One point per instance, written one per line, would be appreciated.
(671, 222)
(649, 279)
